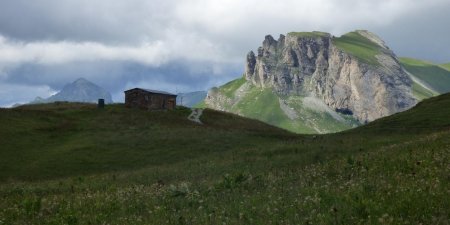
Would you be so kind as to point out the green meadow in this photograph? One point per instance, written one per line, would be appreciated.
(68, 163)
(359, 46)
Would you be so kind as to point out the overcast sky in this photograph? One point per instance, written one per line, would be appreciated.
(185, 45)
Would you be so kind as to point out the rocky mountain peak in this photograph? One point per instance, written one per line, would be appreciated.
(373, 37)
(81, 90)
(318, 64)
(282, 38)
(251, 62)
(269, 41)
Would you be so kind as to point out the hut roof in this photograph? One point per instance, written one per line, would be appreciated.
(152, 91)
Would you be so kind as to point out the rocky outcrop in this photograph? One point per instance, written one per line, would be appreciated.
(312, 64)
(215, 100)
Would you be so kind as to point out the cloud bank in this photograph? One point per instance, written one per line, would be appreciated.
(185, 45)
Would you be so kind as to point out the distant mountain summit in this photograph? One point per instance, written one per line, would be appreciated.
(80, 90)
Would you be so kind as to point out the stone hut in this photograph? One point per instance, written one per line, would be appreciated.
(149, 99)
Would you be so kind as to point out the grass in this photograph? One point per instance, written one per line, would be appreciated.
(313, 34)
(421, 93)
(66, 138)
(75, 164)
(264, 105)
(201, 105)
(359, 46)
(320, 120)
(414, 62)
(230, 88)
(427, 116)
(446, 66)
(436, 76)
(261, 104)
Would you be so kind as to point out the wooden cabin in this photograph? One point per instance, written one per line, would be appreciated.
(149, 99)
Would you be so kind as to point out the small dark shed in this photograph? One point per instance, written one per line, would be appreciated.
(149, 99)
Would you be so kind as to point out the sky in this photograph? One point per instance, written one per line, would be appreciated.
(185, 45)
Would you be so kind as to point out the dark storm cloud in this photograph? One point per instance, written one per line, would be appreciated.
(128, 21)
(116, 77)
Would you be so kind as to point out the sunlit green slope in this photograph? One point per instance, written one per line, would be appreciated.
(430, 79)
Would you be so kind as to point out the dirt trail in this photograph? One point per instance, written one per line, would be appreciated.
(195, 115)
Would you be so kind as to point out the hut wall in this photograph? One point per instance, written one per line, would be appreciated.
(148, 100)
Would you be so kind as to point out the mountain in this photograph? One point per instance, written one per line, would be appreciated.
(429, 79)
(71, 163)
(190, 99)
(81, 90)
(313, 82)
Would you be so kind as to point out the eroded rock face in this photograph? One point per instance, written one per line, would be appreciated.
(312, 65)
(217, 101)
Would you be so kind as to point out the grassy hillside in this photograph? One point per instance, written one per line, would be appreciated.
(263, 104)
(420, 92)
(67, 138)
(435, 76)
(290, 113)
(446, 66)
(427, 116)
(230, 88)
(75, 164)
(358, 46)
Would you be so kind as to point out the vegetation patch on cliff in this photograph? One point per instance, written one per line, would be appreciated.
(359, 46)
(309, 34)
(230, 88)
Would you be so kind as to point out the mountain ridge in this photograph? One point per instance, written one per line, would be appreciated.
(434, 76)
(356, 76)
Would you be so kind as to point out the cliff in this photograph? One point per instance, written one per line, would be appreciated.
(313, 82)
(356, 73)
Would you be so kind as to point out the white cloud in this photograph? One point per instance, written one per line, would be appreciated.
(229, 16)
(178, 46)
(49, 53)
(200, 30)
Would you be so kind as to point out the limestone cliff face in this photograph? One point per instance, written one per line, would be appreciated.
(312, 64)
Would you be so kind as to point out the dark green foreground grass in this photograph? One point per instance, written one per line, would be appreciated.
(75, 164)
